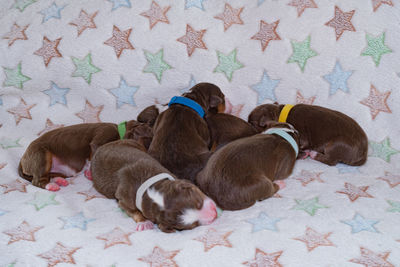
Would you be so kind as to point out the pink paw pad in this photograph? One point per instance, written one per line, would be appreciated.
(52, 187)
(146, 225)
(281, 184)
(313, 154)
(60, 181)
(88, 174)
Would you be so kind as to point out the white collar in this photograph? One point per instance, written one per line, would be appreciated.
(283, 132)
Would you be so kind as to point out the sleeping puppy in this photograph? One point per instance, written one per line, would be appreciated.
(146, 190)
(243, 171)
(325, 135)
(181, 136)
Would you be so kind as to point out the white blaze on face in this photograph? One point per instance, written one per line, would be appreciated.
(156, 197)
(205, 215)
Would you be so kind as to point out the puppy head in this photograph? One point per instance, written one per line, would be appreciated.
(262, 116)
(209, 96)
(178, 205)
(148, 115)
(140, 132)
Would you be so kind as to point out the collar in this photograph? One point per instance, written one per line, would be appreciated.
(187, 102)
(283, 132)
(285, 112)
(122, 129)
(142, 189)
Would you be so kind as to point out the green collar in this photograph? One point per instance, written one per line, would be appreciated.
(122, 129)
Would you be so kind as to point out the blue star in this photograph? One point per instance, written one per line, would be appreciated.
(191, 84)
(359, 223)
(56, 94)
(2, 212)
(338, 79)
(265, 88)
(124, 93)
(194, 3)
(259, 2)
(263, 222)
(343, 168)
(77, 221)
(120, 3)
(52, 11)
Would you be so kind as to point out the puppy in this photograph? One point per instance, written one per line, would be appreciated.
(242, 172)
(122, 170)
(181, 137)
(325, 135)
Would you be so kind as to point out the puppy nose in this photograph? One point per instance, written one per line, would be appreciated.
(208, 212)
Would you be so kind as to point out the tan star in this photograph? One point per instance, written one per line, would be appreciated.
(212, 238)
(263, 259)
(391, 179)
(23, 232)
(354, 192)
(378, 3)
(230, 16)
(372, 259)
(301, 5)
(156, 14)
(16, 33)
(377, 101)
(114, 237)
(300, 99)
(267, 33)
(84, 21)
(2, 165)
(313, 239)
(161, 258)
(50, 126)
(21, 111)
(16, 185)
(90, 113)
(233, 109)
(341, 22)
(49, 50)
(59, 254)
(91, 194)
(120, 40)
(307, 177)
(192, 39)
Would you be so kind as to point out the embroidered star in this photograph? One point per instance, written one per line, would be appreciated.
(263, 259)
(382, 149)
(50, 126)
(391, 179)
(120, 3)
(359, 223)
(354, 192)
(84, 68)
(234, 110)
(16, 33)
(76, 221)
(156, 64)
(90, 113)
(59, 254)
(49, 50)
(230, 16)
(2, 212)
(52, 11)
(15, 185)
(301, 53)
(2, 165)
(301, 5)
(228, 64)
(124, 93)
(160, 257)
(6, 143)
(265, 88)
(192, 83)
(84, 21)
(156, 14)
(306, 177)
(193, 39)
(377, 101)
(309, 205)
(212, 238)
(300, 99)
(337, 79)
(343, 168)
(15, 77)
(341, 22)
(313, 239)
(267, 33)
(395, 206)
(263, 222)
(114, 237)
(56, 94)
(376, 48)
(91, 194)
(194, 3)
(21, 111)
(43, 199)
(377, 3)
(260, 2)
(120, 40)
(22, 4)
(372, 259)
(22, 232)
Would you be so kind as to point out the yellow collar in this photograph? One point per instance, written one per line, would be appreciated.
(285, 112)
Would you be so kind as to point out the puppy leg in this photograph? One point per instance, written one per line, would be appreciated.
(41, 169)
(103, 137)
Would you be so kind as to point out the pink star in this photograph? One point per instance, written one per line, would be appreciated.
(120, 40)
(391, 179)
(230, 16)
(192, 39)
(90, 113)
(307, 177)
(16, 33)
(378, 3)
(212, 238)
(91, 194)
(302, 100)
(313, 239)
(21, 111)
(114, 237)
(2, 165)
(372, 259)
(263, 259)
(84, 21)
(50, 126)
(354, 192)
(160, 258)
(16, 185)
(233, 109)
(267, 33)
(377, 102)
(301, 5)
(49, 50)
(341, 22)
(156, 14)
(23, 232)
(59, 254)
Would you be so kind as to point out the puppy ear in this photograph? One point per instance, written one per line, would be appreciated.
(148, 115)
(263, 121)
(215, 101)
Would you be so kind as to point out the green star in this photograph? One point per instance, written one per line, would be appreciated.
(15, 77)
(42, 200)
(310, 205)
(8, 143)
(85, 68)
(301, 53)
(228, 64)
(22, 4)
(395, 206)
(376, 48)
(156, 64)
(382, 149)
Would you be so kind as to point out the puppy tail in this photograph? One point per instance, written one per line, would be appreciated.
(22, 174)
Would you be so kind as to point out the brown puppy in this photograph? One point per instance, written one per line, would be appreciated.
(326, 135)
(120, 169)
(243, 171)
(148, 115)
(181, 136)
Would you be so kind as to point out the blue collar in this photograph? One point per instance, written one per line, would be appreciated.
(282, 132)
(187, 102)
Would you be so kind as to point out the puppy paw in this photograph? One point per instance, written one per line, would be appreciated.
(313, 154)
(281, 184)
(88, 174)
(146, 225)
(52, 187)
(60, 181)
(304, 154)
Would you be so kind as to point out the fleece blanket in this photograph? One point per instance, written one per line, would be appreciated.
(67, 62)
